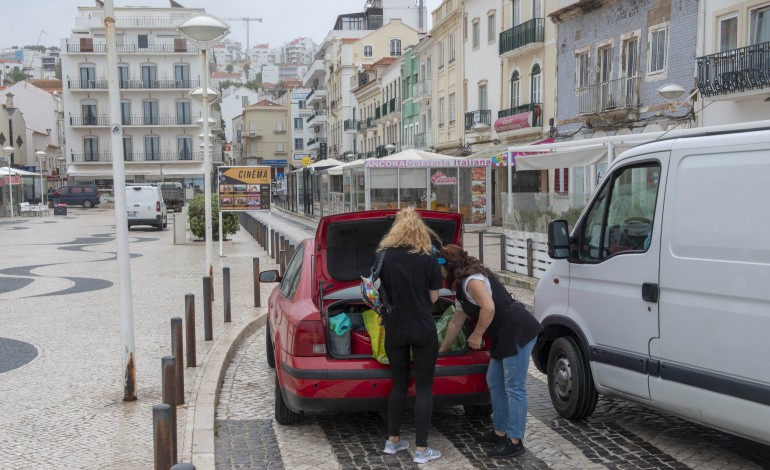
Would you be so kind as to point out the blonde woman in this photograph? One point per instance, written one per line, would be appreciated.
(411, 277)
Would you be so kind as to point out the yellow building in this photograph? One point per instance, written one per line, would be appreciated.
(265, 135)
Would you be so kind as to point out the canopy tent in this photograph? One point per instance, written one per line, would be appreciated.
(168, 169)
(17, 172)
(325, 163)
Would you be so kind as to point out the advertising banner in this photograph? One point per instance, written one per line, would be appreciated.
(244, 188)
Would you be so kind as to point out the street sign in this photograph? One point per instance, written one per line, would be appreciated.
(244, 188)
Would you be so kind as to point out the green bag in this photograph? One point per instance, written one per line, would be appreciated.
(441, 326)
(377, 335)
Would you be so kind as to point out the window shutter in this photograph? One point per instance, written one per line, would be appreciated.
(557, 180)
(180, 45)
(86, 45)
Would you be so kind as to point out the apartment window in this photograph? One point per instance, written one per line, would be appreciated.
(441, 54)
(516, 12)
(759, 25)
(279, 126)
(89, 113)
(452, 48)
(183, 114)
(368, 51)
(87, 76)
(491, 28)
(658, 50)
(184, 147)
(631, 57)
(244, 101)
(149, 76)
(483, 96)
(301, 104)
(142, 41)
(582, 70)
(441, 106)
(128, 148)
(536, 85)
(476, 34)
(91, 149)
(605, 64)
(298, 123)
(280, 147)
(395, 47)
(123, 79)
(515, 90)
(728, 34)
(537, 9)
(150, 112)
(299, 144)
(182, 76)
(452, 108)
(151, 147)
(125, 113)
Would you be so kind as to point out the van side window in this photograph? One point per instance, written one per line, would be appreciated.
(621, 217)
(290, 280)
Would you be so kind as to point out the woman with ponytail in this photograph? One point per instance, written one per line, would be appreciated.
(512, 332)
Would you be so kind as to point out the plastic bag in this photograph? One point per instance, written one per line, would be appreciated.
(377, 334)
(441, 326)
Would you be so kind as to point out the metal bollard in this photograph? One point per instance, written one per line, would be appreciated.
(168, 370)
(481, 246)
(530, 258)
(257, 293)
(189, 318)
(183, 466)
(503, 257)
(276, 236)
(177, 352)
(282, 262)
(161, 436)
(226, 293)
(208, 334)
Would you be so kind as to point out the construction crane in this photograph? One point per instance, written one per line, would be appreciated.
(247, 21)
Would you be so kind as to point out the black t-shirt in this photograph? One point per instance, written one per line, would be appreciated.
(407, 279)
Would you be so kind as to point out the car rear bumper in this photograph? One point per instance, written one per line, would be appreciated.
(315, 404)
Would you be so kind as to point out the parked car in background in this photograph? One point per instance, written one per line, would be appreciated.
(173, 195)
(86, 195)
(145, 206)
(323, 280)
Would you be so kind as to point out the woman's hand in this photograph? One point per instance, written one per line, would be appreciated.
(475, 341)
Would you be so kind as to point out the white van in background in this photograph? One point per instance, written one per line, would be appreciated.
(145, 206)
(661, 293)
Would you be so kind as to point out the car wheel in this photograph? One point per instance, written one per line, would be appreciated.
(570, 383)
(165, 223)
(478, 410)
(159, 227)
(269, 350)
(88, 204)
(282, 413)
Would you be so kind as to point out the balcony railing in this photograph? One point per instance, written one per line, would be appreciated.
(621, 93)
(255, 134)
(422, 90)
(134, 83)
(90, 120)
(146, 22)
(322, 112)
(178, 46)
(361, 126)
(392, 105)
(377, 112)
(535, 108)
(370, 123)
(350, 125)
(481, 115)
(316, 88)
(734, 71)
(315, 140)
(526, 33)
(171, 156)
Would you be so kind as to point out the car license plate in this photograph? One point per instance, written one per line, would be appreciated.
(132, 213)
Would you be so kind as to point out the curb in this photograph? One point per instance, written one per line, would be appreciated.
(203, 400)
(510, 278)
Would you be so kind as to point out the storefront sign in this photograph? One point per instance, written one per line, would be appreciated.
(439, 178)
(515, 122)
(14, 180)
(244, 188)
(274, 163)
(460, 162)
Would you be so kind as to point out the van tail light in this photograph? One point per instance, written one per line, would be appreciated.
(157, 206)
(309, 339)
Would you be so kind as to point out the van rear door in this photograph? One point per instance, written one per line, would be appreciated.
(614, 277)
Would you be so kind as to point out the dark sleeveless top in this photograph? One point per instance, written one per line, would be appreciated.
(512, 323)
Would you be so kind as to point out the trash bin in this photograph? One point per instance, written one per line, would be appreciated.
(180, 228)
(60, 209)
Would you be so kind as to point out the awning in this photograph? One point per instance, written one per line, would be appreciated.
(325, 163)
(168, 170)
(17, 172)
(499, 153)
(514, 122)
(568, 158)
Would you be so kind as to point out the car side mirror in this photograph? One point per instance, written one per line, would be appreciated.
(558, 239)
(269, 276)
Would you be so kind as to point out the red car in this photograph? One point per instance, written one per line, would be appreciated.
(323, 279)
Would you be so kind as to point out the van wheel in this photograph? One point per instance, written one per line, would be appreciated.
(88, 204)
(165, 223)
(570, 383)
(159, 227)
(478, 410)
(283, 414)
(269, 350)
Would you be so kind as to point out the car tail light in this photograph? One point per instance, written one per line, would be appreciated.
(309, 339)
(157, 206)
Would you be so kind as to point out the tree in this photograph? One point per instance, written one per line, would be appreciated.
(229, 68)
(196, 215)
(16, 75)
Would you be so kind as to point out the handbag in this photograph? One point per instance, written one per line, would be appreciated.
(372, 291)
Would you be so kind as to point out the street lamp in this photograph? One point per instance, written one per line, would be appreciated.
(8, 151)
(205, 30)
(41, 157)
(390, 148)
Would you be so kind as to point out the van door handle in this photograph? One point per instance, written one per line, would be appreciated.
(650, 292)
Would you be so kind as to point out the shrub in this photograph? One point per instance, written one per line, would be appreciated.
(196, 215)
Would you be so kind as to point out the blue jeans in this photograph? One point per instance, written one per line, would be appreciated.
(507, 378)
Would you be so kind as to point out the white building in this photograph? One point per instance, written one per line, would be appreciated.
(302, 137)
(300, 51)
(157, 69)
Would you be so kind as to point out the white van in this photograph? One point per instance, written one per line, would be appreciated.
(145, 206)
(661, 293)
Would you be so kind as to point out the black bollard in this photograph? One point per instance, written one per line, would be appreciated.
(503, 264)
(208, 333)
(189, 318)
(178, 353)
(257, 293)
(481, 246)
(226, 293)
(161, 436)
(168, 371)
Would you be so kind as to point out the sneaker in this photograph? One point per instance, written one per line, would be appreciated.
(507, 449)
(425, 456)
(391, 448)
(492, 438)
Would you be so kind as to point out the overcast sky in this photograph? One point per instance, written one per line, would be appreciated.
(282, 20)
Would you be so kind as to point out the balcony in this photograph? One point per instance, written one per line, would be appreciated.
(255, 134)
(141, 120)
(535, 108)
(134, 84)
(422, 91)
(350, 125)
(529, 32)
(90, 120)
(153, 22)
(735, 71)
(370, 123)
(481, 116)
(88, 46)
(313, 142)
(361, 126)
(316, 95)
(619, 94)
(393, 106)
(320, 115)
(423, 140)
(106, 157)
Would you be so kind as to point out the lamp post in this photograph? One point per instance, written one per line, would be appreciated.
(390, 148)
(205, 30)
(41, 158)
(8, 151)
